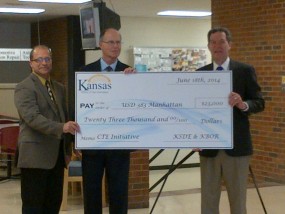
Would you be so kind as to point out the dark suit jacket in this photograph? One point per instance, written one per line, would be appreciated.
(96, 66)
(245, 84)
(41, 123)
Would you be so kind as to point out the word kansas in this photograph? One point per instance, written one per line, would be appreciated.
(95, 82)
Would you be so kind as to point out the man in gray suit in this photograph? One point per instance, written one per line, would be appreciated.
(44, 141)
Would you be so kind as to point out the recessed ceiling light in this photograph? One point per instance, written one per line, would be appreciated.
(20, 10)
(184, 13)
(59, 1)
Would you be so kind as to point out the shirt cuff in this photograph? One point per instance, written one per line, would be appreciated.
(246, 108)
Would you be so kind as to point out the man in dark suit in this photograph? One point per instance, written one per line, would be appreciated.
(44, 149)
(114, 162)
(231, 165)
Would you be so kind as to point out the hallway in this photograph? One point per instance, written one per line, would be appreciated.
(181, 195)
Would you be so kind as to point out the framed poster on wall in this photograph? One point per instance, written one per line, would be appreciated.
(157, 59)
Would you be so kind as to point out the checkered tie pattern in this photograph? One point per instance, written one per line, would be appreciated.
(219, 68)
(49, 90)
(108, 68)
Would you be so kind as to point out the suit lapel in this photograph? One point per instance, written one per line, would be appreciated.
(59, 104)
(44, 92)
(209, 67)
(97, 66)
(232, 65)
(120, 66)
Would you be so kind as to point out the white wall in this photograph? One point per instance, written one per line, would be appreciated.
(160, 32)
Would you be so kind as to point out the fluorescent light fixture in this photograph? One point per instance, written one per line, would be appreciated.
(59, 1)
(20, 10)
(184, 13)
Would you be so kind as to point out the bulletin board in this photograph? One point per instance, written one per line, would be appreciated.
(157, 59)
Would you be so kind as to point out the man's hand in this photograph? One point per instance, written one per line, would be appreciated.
(196, 150)
(236, 100)
(129, 70)
(77, 153)
(71, 127)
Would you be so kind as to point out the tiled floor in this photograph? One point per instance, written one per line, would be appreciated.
(181, 195)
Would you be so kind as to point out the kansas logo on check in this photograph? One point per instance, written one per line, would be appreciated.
(97, 82)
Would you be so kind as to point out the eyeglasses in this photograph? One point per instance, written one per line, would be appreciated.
(112, 43)
(41, 60)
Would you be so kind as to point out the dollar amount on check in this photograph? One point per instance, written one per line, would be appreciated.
(153, 110)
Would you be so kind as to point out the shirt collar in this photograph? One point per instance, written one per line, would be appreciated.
(43, 80)
(105, 65)
(225, 65)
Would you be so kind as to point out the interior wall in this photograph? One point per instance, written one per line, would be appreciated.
(158, 32)
(7, 106)
(12, 35)
(258, 32)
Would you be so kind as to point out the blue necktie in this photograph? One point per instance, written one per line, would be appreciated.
(108, 68)
(219, 68)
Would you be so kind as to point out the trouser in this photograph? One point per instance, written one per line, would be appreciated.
(234, 171)
(116, 165)
(41, 189)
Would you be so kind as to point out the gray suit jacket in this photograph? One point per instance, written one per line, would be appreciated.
(41, 123)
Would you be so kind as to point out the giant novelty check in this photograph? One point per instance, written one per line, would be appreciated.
(153, 110)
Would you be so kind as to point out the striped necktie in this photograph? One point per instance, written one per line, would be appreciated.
(50, 91)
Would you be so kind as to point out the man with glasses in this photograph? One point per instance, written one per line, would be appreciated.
(44, 141)
(114, 162)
